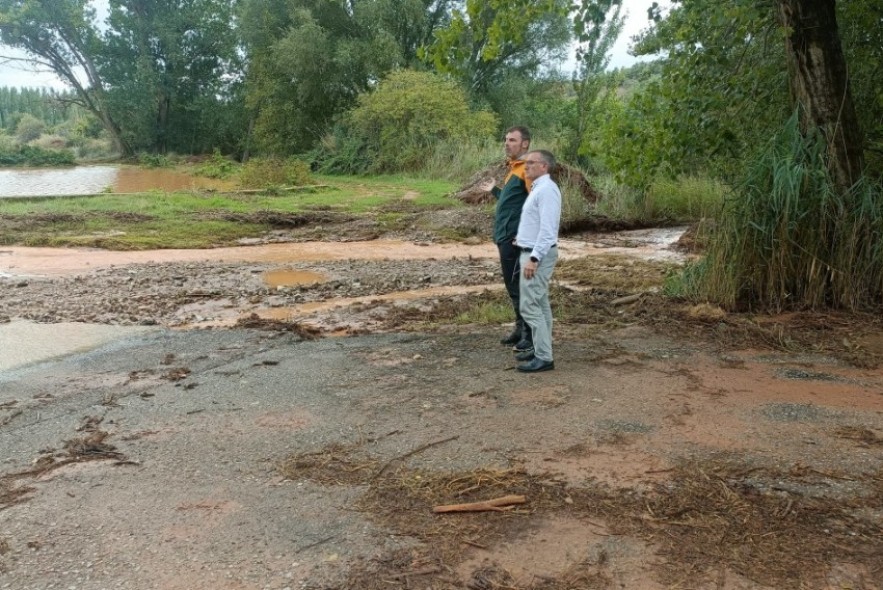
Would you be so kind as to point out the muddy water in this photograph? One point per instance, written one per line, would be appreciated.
(47, 341)
(23, 343)
(651, 244)
(89, 180)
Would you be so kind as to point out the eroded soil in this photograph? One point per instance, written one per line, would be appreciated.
(303, 438)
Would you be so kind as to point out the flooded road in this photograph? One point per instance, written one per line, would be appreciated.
(218, 287)
(647, 244)
(90, 180)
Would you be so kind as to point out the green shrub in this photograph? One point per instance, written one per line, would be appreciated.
(341, 152)
(274, 172)
(409, 113)
(29, 128)
(28, 155)
(217, 166)
(154, 160)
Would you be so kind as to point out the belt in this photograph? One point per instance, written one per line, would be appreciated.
(530, 249)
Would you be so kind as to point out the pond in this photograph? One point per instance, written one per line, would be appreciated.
(89, 180)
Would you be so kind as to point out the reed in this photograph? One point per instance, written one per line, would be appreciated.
(787, 239)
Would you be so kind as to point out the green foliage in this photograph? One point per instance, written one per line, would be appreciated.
(310, 59)
(789, 240)
(29, 128)
(598, 24)
(409, 113)
(154, 160)
(63, 35)
(274, 172)
(684, 199)
(458, 160)
(168, 71)
(217, 166)
(49, 106)
(486, 39)
(29, 155)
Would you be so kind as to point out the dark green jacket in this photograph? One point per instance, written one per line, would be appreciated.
(510, 200)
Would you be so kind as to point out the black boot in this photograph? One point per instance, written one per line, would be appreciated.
(525, 343)
(515, 336)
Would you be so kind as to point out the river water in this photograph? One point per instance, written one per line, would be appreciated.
(89, 180)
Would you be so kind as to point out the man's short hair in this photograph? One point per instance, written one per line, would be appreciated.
(524, 131)
(547, 157)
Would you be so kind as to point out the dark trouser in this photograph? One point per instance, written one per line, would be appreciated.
(509, 255)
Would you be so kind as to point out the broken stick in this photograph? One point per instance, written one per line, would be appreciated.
(497, 504)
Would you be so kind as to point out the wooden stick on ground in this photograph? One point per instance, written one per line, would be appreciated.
(497, 504)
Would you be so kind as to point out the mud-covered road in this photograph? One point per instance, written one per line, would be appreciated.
(306, 445)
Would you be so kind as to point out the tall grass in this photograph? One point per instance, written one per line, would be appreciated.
(457, 161)
(788, 240)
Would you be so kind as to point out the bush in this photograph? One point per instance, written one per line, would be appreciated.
(28, 155)
(274, 172)
(217, 166)
(154, 160)
(29, 128)
(409, 113)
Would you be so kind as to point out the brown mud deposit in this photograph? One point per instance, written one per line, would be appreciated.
(674, 446)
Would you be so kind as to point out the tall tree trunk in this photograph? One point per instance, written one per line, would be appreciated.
(820, 84)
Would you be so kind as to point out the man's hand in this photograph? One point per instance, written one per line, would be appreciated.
(487, 185)
(530, 269)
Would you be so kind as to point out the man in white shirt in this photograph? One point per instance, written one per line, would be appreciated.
(537, 240)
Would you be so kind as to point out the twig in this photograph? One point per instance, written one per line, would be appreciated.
(423, 572)
(316, 544)
(409, 453)
(497, 504)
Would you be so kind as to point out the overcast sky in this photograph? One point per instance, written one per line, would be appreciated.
(20, 75)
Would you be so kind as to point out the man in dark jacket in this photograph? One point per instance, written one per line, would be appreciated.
(510, 200)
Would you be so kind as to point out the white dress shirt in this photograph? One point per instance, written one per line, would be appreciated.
(540, 217)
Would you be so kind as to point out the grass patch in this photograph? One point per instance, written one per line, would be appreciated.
(192, 220)
(681, 200)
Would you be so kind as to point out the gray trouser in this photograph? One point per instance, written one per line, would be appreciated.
(534, 302)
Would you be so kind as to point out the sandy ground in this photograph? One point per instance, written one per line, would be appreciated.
(255, 455)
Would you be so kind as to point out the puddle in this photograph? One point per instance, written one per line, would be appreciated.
(291, 278)
(89, 180)
(23, 342)
(217, 314)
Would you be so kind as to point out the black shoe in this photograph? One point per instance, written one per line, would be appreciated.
(536, 365)
(523, 345)
(512, 338)
(527, 355)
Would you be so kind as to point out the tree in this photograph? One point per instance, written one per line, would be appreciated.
(597, 25)
(61, 36)
(170, 65)
(486, 39)
(29, 128)
(820, 84)
(731, 76)
(308, 60)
